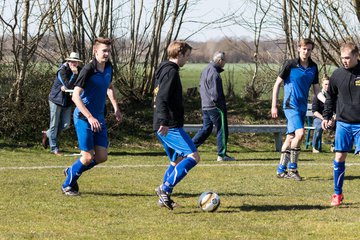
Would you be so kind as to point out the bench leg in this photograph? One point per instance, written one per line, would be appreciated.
(278, 141)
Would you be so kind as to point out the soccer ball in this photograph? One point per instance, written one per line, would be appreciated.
(209, 201)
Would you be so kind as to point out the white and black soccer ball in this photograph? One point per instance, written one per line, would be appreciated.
(209, 201)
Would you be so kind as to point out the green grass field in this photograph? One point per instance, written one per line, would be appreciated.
(118, 201)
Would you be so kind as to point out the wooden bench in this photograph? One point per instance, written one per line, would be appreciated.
(278, 130)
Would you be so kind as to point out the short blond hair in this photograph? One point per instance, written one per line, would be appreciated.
(176, 47)
(305, 41)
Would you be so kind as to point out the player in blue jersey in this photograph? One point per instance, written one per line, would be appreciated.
(298, 75)
(91, 88)
(344, 95)
(169, 120)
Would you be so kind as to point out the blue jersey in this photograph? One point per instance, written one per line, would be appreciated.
(95, 85)
(297, 83)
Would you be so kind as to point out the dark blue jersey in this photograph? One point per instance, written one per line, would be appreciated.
(297, 83)
(95, 85)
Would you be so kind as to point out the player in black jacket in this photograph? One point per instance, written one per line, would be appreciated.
(169, 120)
(344, 93)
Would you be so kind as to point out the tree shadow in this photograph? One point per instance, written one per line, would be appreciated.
(272, 208)
(124, 153)
(117, 194)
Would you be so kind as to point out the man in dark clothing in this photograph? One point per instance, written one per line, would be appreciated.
(214, 107)
(344, 94)
(60, 101)
(169, 120)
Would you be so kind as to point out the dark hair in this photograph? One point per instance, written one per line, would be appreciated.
(176, 47)
(306, 41)
(101, 40)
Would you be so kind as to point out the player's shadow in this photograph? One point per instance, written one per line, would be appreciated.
(124, 153)
(112, 194)
(273, 208)
(192, 195)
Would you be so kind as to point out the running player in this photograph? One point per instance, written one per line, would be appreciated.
(344, 94)
(91, 88)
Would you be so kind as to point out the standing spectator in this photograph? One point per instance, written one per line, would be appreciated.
(344, 94)
(317, 109)
(169, 120)
(214, 106)
(91, 88)
(60, 102)
(298, 75)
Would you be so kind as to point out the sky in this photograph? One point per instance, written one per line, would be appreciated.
(208, 10)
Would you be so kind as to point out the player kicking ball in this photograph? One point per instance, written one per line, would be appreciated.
(169, 120)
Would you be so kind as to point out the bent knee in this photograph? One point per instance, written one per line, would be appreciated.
(195, 156)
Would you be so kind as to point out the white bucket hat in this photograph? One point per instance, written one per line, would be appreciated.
(73, 57)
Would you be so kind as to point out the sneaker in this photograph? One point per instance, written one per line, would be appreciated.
(225, 158)
(161, 204)
(69, 191)
(294, 175)
(45, 140)
(57, 152)
(315, 150)
(336, 199)
(282, 174)
(76, 185)
(164, 197)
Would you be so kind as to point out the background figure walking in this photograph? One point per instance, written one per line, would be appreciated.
(298, 75)
(213, 106)
(60, 102)
(317, 109)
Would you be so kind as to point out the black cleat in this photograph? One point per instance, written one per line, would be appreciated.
(164, 197)
(76, 185)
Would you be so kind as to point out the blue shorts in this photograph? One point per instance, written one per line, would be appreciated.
(295, 120)
(87, 139)
(346, 135)
(177, 143)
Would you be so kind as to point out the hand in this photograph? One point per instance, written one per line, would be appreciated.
(118, 116)
(325, 124)
(95, 124)
(63, 88)
(163, 130)
(74, 69)
(274, 112)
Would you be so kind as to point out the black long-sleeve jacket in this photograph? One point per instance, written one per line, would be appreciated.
(344, 94)
(168, 99)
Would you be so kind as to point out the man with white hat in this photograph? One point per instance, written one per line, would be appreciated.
(60, 101)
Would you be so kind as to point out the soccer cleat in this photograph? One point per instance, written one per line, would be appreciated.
(314, 150)
(69, 191)
(336, 199)
(164, 197)
(161, 204)
(282, 174)
(294, 175)
(76, 185)
(45, 140)
(225, 158)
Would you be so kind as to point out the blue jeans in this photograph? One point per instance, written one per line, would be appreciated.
(59, 121)
(218, 118)
(317, 137)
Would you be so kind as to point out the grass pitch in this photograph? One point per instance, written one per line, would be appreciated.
(118, 200)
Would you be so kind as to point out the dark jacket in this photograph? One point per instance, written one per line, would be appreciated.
(317, 105)
(168, 99)
(211, 88)
(344, 94)
(64, 77)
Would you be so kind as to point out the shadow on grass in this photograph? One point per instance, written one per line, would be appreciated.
(112, 194)
(112, 153)
(271, 208)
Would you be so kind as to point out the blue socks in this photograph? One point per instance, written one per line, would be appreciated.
(91, 165)
(168, 172)
(74, 173)
(339, 174)
(179, 172)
